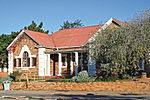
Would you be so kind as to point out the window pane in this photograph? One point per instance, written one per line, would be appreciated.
(19, 62)
(28, 62)
(14, 62)
(26, 59)
(33, 61)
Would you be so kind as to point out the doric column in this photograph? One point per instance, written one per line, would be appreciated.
(59, 64)
(47, 69)
(76, 63)
(71, 65)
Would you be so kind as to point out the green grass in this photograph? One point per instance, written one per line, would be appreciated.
(57, 80)
(28, 97)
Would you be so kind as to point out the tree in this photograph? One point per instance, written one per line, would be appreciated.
(123, 47)
(67, 24)
(34, 27)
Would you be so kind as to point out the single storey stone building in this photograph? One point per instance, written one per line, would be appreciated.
(38, 55)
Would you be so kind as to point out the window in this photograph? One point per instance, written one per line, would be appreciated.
(26, 59)
(64, 60)
(33, 61)
(14, 62)
(19, 62)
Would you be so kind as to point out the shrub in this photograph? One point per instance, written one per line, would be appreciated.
(15, 74)
(82, 77)
(108, 79)
(126, 76)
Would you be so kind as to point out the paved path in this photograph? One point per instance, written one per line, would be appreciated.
(48, 94)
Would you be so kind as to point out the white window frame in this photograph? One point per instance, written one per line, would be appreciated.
(25, 48)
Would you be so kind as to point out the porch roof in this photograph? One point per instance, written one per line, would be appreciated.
(65, 51)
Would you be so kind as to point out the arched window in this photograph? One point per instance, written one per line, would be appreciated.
(26, 59)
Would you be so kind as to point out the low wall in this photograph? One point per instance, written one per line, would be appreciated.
(130, 86)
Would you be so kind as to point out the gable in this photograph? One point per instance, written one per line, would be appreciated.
(24, 40)
(18, 38)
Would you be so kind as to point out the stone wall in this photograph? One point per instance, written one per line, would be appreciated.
(126, 86)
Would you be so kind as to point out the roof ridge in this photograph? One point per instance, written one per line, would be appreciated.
(77, 28)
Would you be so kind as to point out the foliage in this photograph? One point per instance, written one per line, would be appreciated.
(15, 74)
(82, 77)
(34, 27)
(123, 47)
(108, 79)
(58, 80)
(67, 24)
(7, 78)
(5, 40)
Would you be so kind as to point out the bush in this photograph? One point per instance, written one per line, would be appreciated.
(7, 78)
(15, 74)
(108, 79)
(82, 77)
(126, 76)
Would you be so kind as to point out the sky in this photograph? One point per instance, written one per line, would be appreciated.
(15, 14)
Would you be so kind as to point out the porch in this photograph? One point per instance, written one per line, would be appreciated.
(66, 62)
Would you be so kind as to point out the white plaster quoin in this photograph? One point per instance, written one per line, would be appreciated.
(42, 61)
(10, 62)
(76, 63)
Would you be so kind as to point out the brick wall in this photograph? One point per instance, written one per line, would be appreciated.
(129, 86)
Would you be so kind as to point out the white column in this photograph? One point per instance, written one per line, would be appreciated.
(71, 65)
(76, 63)
(47, 67)
(59, 64)
(10, 62)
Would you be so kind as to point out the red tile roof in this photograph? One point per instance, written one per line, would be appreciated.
(42, 38)
(65, 38)
(74, 36)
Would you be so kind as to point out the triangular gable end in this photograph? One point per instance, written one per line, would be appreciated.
(18, 37)
(107, 24)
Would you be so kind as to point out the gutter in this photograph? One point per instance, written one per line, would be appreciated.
(57, 48)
